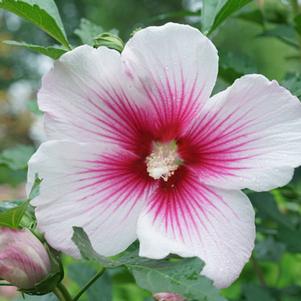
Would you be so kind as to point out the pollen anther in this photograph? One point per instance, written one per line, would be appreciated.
(163, 161)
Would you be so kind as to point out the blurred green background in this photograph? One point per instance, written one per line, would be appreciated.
(259, 38)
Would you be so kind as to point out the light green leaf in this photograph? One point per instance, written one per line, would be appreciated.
(16, 157)
(12, 217)
(52, 51)
(42, 13)
(109, 40)
(215, 12)
(87, 31)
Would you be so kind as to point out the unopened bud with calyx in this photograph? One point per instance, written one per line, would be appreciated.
(24, 261)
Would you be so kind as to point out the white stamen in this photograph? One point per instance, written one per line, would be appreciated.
(163, 161)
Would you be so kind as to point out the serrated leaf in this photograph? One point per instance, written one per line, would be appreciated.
(87, 31)
(16, 157)
(292, 82)
(179, 276)
(43, 14)
(12, 217)
(215, 12)
(52, 51)
(182, 277)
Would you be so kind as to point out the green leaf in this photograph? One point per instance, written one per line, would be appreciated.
(16, 157)
(291, 238)
(81, 239)
(254, 16)
(42, 13)
(87, 31)
(254, 292)
(267, 208)
(182, 277)
(284, 33)
(109, 40)
(179, 276)
(82, 272)
(269, 249)
(297, 22)
(292, 82)
(12, 217)
(215, 12)
(234, 65)
(52, 51)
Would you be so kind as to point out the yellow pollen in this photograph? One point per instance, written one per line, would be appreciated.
(163, 161)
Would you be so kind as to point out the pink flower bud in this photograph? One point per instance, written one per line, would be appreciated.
(168, 297)
(23, 258)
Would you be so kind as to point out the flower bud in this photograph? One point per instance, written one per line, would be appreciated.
(23, 259)
(168, 297)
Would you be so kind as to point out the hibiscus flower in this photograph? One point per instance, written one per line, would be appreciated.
(137, 149)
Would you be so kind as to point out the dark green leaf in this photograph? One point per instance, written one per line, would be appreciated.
(52, 51)
(179, 276)
(182, 277)
(82, 272)
(254, 16)
(292, 82)
(83, 243)
(234, 65)
(269, 249)
(267, 208)
(87, 31)
(215, 12)
(42, 13)
(297, 21)
(17, 157)
(254, 292)
(291, 238)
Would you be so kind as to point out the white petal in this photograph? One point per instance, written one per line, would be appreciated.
(197, 220)
(84, 99)
(175, 65)
(249, 136)
(90, 186)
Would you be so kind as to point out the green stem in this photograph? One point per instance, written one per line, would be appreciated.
(61, 292)
(89, 283)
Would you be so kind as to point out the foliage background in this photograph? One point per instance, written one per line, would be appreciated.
(262, 37)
